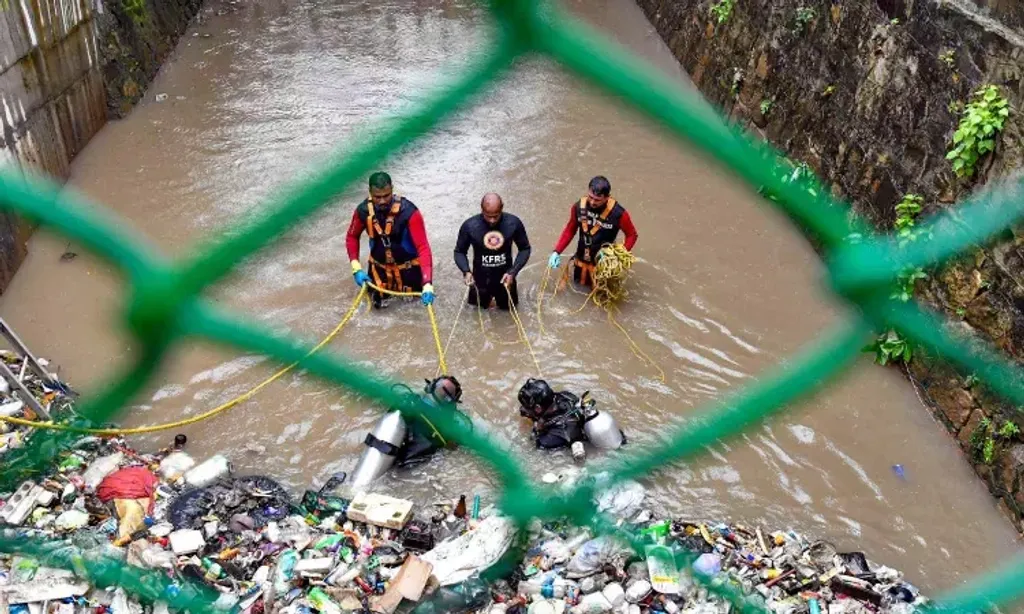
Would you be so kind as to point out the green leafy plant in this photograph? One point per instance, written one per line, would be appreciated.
(766, 106)
(971, 381)
(721, 10)
(906, 218)
(895, 21)
(828, 91)
(890, 347)
(905, 283)
(795, 173)
(948, 57)
(986, 440)
(982, 121)
(961, 312)
(988, 451)
(804, 16)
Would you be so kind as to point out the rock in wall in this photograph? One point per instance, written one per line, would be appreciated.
(136, 38)
(869, 94)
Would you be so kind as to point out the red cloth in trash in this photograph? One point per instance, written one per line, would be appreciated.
(128, 483)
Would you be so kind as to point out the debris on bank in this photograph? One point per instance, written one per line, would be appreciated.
(35, 395)
(260, 550)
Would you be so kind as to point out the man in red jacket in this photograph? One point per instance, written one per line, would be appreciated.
(598, 218)
(400, 258)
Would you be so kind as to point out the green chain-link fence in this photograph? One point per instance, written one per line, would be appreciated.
(166, 303)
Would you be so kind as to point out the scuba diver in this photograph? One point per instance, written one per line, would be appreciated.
(561, 419)
(409, 442)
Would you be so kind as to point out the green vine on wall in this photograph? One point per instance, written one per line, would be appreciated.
(721, 10)
(891, 346)
(803, 18)
(982, 121)
(987, 440)
(136, 9)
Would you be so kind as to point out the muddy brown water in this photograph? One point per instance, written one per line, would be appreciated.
(260, 92)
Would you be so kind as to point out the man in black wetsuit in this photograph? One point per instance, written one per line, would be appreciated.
(557, 416)
(491, 235)
(422, 438)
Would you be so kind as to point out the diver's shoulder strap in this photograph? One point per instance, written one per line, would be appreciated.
(381, 446)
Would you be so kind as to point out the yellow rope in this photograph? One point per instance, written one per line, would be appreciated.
(613, 268)
(209, 414)
(540, 299)
(441, 364)
(451, 335)
(479, 311)
(610, 275)
(634, 347)
(391, 292)
(522, 331)
(563, 279)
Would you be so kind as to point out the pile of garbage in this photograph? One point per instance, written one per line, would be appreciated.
(51, 395)
(258, 549)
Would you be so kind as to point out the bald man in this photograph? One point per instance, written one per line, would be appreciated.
(491, 235)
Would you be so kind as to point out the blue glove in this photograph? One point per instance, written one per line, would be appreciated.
(361, 278)
(555, 260)
(428, 294)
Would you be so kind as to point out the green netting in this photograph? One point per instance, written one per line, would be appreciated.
(166, 303)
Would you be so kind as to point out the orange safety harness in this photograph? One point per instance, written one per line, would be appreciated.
(586, 266)
(392, 270)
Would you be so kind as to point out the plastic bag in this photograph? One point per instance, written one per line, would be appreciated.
(594, 555)
(623, 499)
(468, 596)
(101, 468)
(175, 465)
(457, 559)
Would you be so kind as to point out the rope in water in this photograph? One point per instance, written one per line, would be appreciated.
(455, 325)
(614, 265)
(540, 298)
(111, 432)
(442, 365)
(522, 331)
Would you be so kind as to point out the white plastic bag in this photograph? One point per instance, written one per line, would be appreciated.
(101, 468)
(175, 465)
(457, 559)
(594, 555)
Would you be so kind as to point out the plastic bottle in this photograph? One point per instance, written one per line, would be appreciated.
(547, 588)
(285, 571)
(213, 570)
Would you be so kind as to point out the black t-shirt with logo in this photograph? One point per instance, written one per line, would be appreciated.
(492, 248)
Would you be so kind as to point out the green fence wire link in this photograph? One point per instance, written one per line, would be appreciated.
(165, 304)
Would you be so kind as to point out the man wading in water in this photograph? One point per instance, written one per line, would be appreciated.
(400, 258)
(491, 235)
(598, 217)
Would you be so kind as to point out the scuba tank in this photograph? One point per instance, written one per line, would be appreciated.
(382, 446)
(599, 426)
